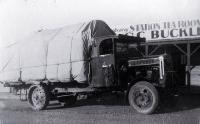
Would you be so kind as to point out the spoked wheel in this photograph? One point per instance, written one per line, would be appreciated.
(38, 97)
(143, 97)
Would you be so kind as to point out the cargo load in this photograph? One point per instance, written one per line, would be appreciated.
(57, 55)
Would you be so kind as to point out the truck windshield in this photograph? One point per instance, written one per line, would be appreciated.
(121, 47)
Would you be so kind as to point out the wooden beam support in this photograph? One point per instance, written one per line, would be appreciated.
(188, 68)
(146, 50)
(180, 49)
(195, 50)
(139, 51)
(154, 50)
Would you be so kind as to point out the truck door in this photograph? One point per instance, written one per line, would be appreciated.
(102, 65)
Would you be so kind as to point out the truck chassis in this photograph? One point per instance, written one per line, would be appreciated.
(141, 93)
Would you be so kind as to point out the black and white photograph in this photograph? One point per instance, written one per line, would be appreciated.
(99, 62)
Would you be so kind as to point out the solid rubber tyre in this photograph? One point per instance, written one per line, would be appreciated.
(143, 97)
(38, 97)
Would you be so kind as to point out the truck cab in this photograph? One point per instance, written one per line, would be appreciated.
(113, 64)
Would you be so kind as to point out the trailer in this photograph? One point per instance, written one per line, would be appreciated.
(90, 58)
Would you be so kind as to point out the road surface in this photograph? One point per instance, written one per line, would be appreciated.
(107, 110)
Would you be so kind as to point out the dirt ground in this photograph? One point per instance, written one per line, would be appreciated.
(106, 110)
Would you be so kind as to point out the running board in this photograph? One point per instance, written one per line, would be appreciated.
(74, 90)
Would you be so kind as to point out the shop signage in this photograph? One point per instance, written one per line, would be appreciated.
(163, 30)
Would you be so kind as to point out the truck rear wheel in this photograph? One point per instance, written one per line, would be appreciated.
(38, 97)
(143, 97)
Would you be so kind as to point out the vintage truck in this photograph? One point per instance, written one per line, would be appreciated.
(84, 59)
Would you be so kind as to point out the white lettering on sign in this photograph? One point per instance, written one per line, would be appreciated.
(163, 30)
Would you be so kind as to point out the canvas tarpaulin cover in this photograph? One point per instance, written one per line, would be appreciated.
(57, 55)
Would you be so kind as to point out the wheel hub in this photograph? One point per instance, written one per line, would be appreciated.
(142, 98)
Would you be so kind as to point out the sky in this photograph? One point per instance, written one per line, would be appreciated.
(19, 18)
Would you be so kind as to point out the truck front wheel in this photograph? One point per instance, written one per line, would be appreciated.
(38, 97)
(143, 97)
